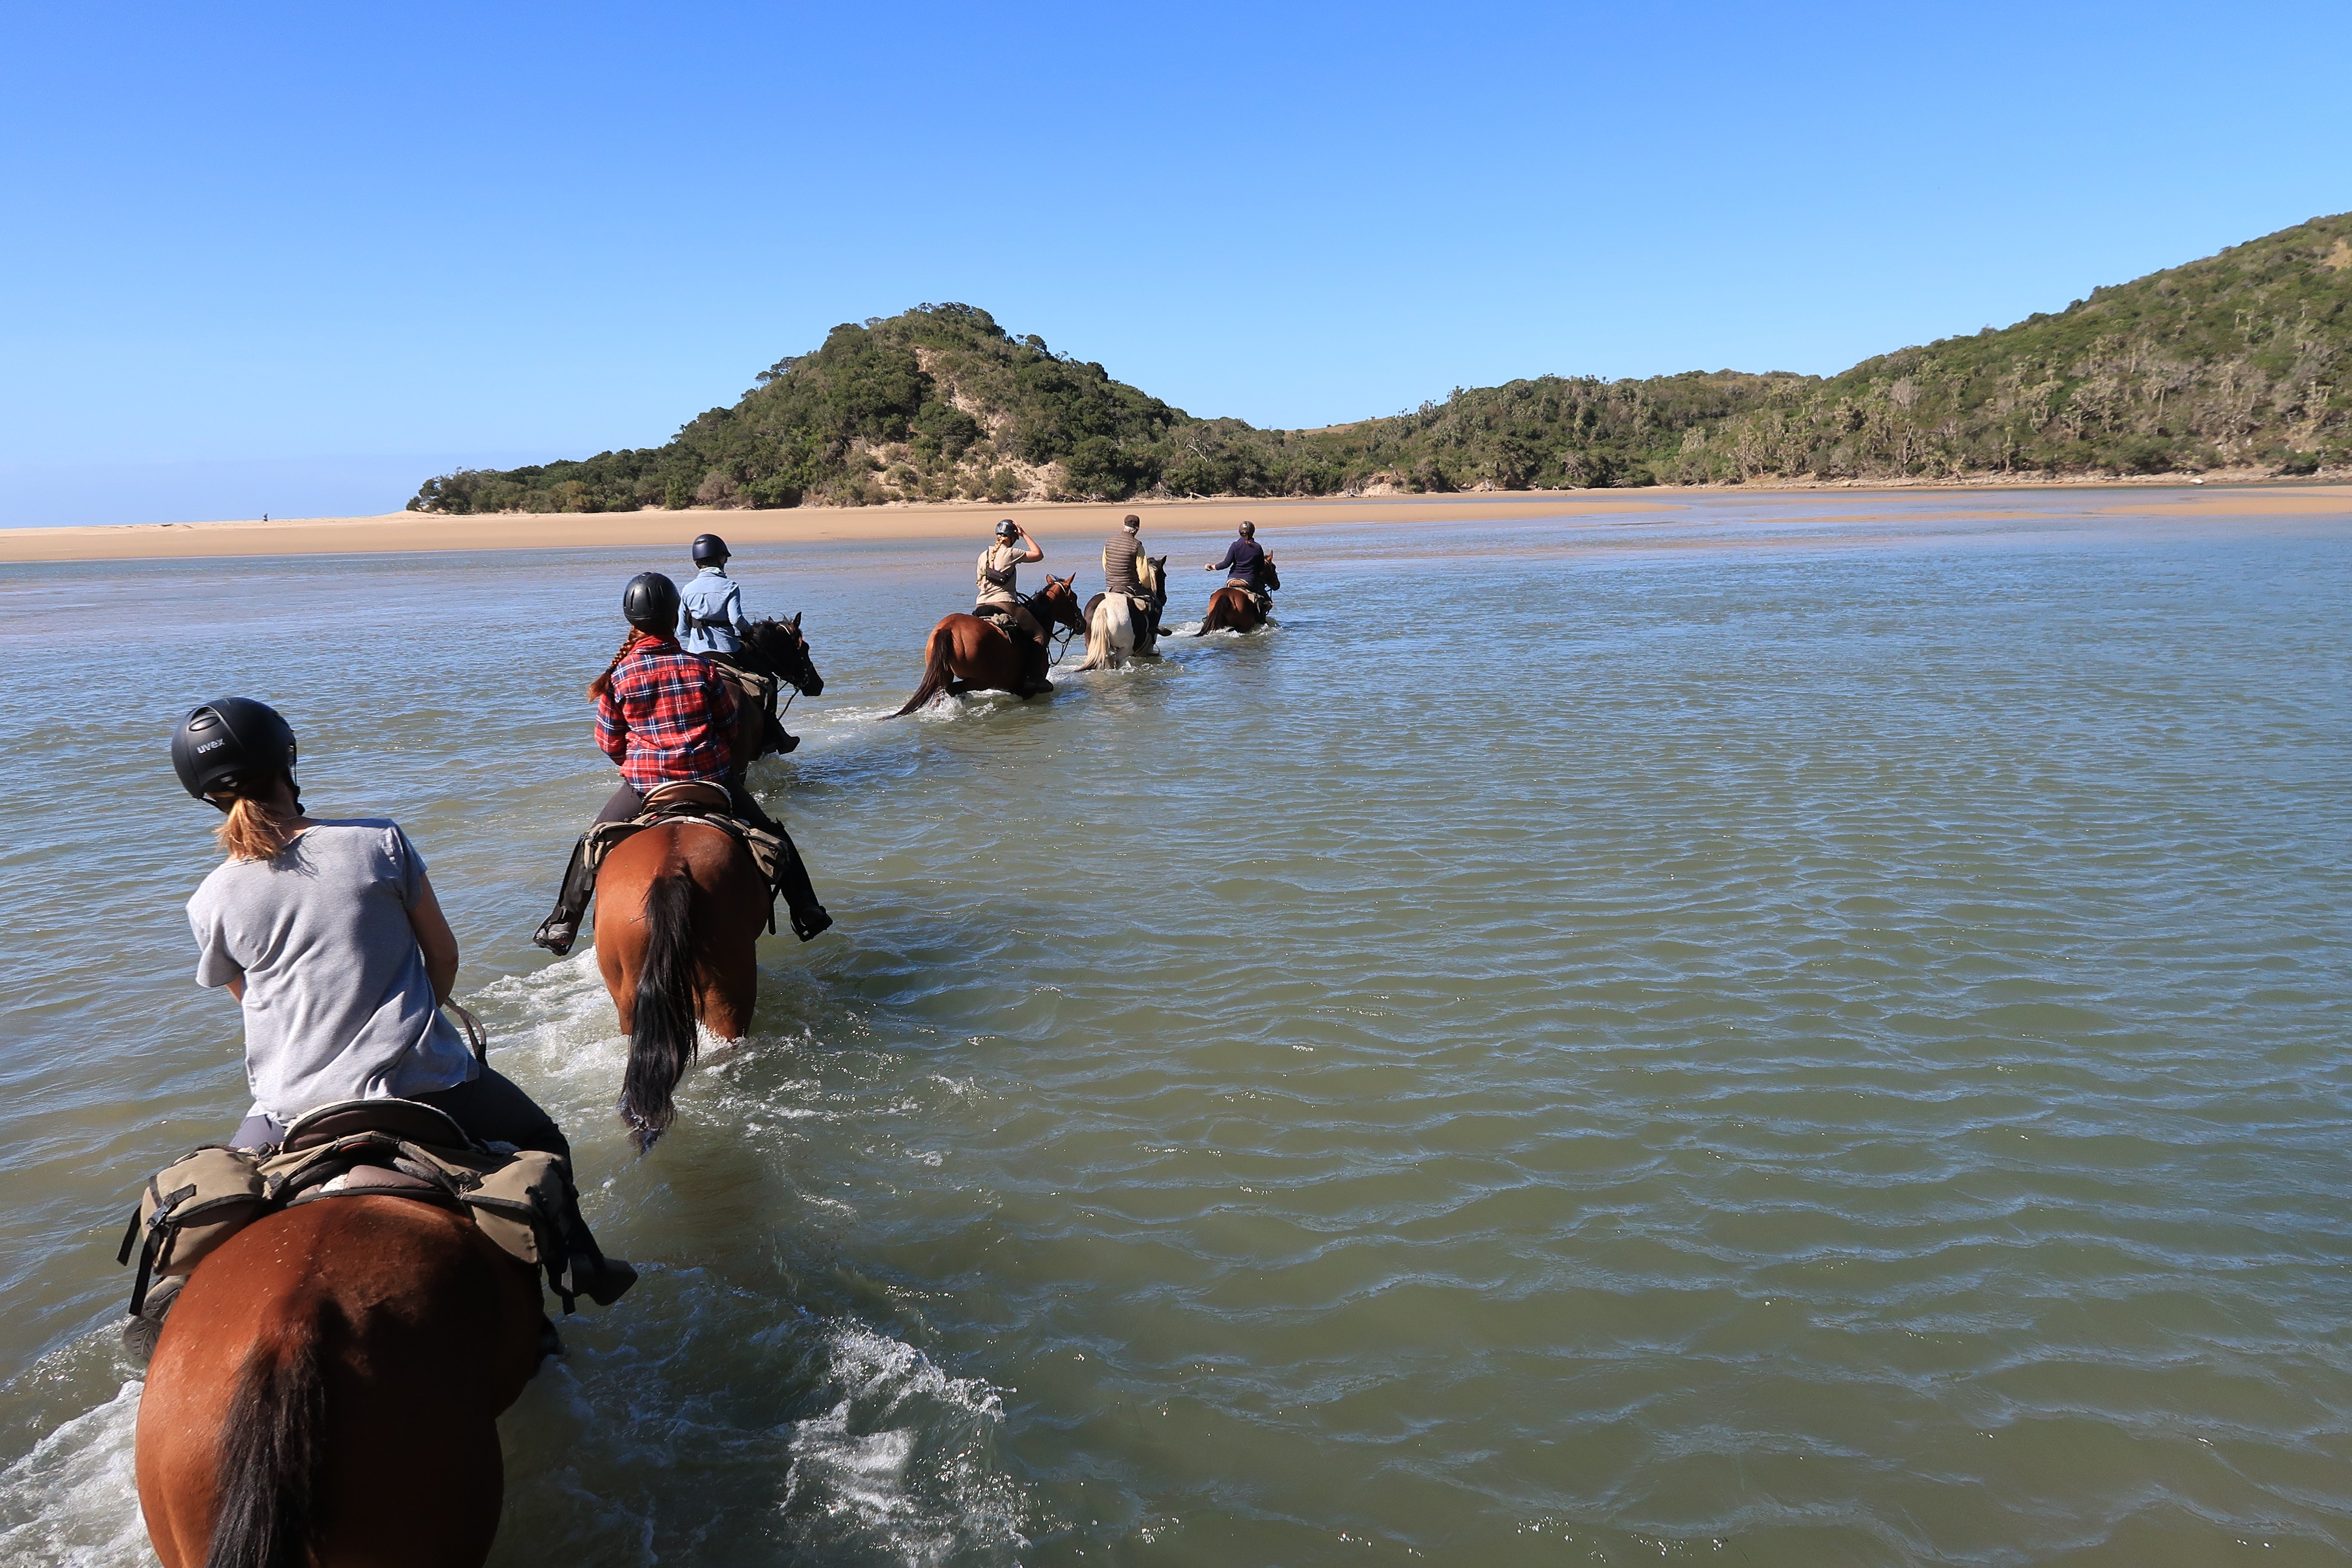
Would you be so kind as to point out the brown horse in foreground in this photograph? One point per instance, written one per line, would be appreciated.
(679, 909)
(966, 653)
(326, 1390)
(1230, 609)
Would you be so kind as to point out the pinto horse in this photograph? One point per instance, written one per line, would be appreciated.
(1112, 635)
(326, 1392)
(968, 654)
(1230, 609)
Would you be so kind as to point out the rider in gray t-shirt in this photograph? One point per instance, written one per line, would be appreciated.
(337, 1002)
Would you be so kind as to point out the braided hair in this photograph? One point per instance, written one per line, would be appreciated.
(604, 683)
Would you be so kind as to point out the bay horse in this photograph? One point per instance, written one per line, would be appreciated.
(679, 910)
(1230, 609)
(1112, 635)
(966, 654)
(325, 1392)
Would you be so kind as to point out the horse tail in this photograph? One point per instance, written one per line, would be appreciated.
(273, 1447)
(662, 1040)
(936, 672)
(1098, 637)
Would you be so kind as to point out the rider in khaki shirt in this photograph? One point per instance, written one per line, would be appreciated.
(997, 594)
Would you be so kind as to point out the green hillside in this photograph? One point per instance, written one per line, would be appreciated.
(2235, 360)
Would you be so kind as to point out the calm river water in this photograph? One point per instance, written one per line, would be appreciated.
(1780, 1030)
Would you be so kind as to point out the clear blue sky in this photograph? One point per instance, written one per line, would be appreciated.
(294, 258)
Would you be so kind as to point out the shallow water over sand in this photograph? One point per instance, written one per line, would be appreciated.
(1791, 1030)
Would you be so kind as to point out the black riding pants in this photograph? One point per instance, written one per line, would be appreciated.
(492, 1108)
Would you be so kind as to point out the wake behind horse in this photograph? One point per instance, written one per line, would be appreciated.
(966, 653)
(327, 1388)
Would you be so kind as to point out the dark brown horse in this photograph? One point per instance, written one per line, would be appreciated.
(1230, 609)
(326, 1392)
(776, 650)
(969, 653)
(679, 909)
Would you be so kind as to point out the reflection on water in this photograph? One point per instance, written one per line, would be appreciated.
(1806, 1030)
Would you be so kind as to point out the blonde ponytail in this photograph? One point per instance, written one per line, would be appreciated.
(252, 831)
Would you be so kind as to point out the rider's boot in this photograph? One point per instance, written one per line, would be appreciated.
(602, 1280)
(140, 1329)
(560, 929)
(809, 917)
(1033, 655)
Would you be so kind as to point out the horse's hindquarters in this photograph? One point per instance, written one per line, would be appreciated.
(327, 1369)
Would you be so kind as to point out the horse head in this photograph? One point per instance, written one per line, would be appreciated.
(779, 645)
(1060, 603)
(1152, 576)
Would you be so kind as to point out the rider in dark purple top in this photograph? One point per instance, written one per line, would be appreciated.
(1244, 560)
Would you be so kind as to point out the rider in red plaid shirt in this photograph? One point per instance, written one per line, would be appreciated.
(667, 716)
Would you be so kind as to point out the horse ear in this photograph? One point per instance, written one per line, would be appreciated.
(796, 620)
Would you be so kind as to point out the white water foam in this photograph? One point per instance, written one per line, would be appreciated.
(73, 1501)
(904, 1459)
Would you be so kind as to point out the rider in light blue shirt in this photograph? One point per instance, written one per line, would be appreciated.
(711, 617)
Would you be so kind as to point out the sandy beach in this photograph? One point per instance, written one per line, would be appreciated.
(409, 531)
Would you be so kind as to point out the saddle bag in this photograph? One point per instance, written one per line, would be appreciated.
(190, 1208)
(521, 1200)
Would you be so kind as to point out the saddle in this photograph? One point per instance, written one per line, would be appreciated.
(1016, 621)
(519, 1199)
(689, 800)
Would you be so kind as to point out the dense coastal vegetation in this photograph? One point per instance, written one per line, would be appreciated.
(2234, 362)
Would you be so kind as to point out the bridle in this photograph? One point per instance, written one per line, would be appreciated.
(1054, 626)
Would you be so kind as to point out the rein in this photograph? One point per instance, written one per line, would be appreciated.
(476, 1035)
(1053, 628)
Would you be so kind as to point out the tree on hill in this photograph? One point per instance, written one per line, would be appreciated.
(2238, 359)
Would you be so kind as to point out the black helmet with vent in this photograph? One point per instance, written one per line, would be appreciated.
(710, 550)
(229, 744)
(650, 602)
(1249, 531)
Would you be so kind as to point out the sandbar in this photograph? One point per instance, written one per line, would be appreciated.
(410, 532)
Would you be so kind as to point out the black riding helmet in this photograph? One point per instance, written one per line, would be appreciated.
(708, 548)
(228, 743)
(650, 603)
(1007, 529)
(1249, 531)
